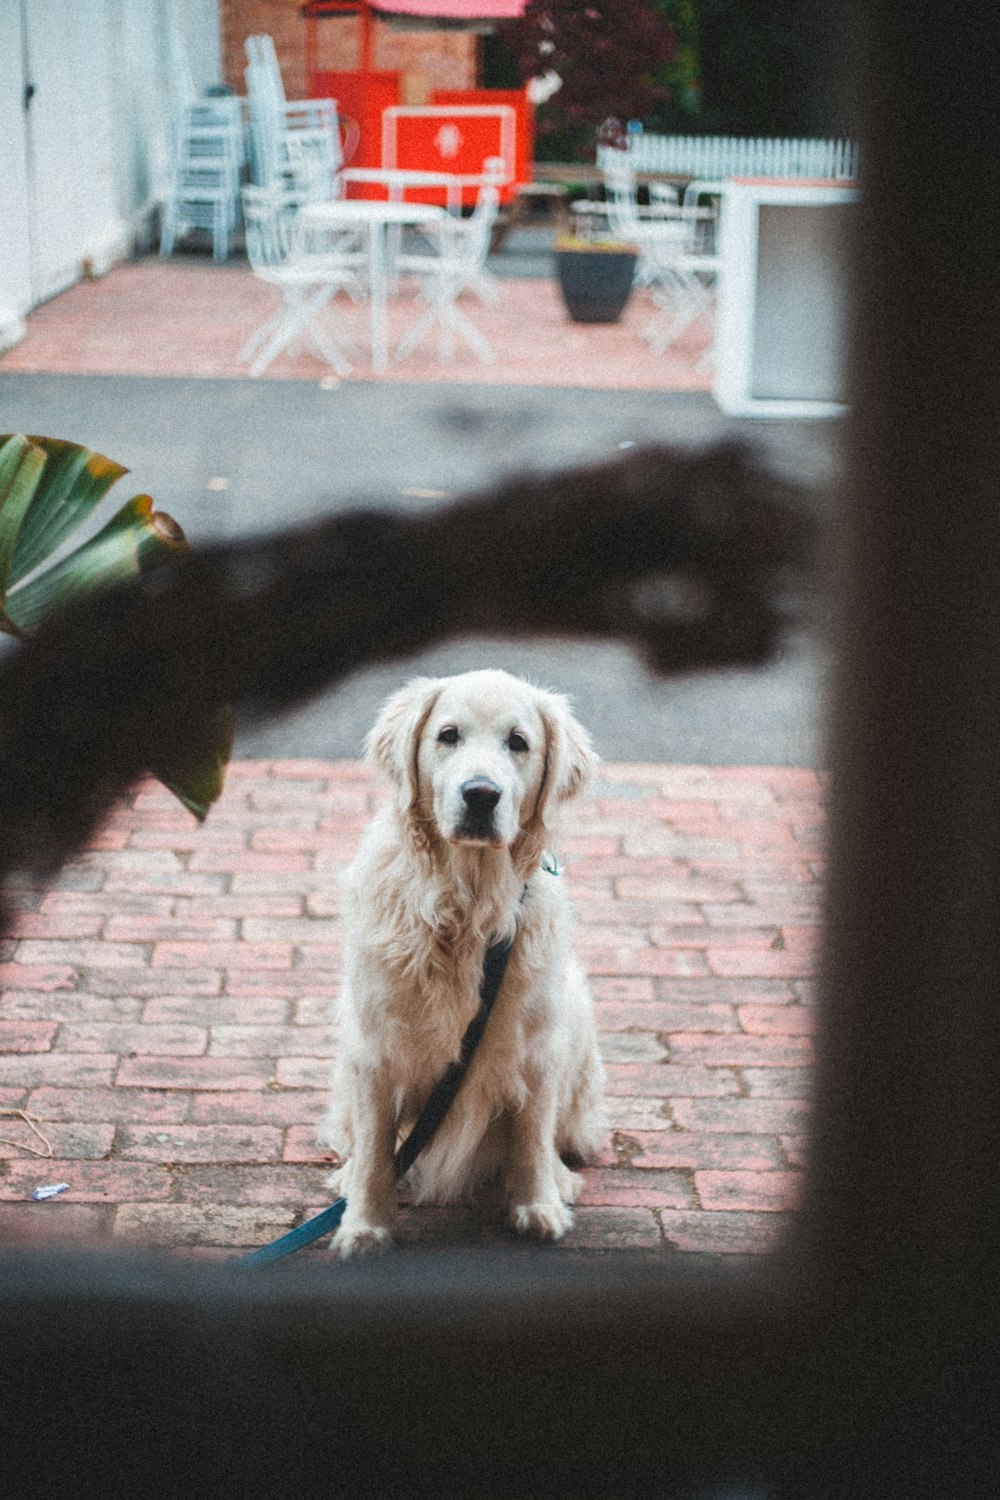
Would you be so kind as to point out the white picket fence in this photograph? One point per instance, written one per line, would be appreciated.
(715, 157)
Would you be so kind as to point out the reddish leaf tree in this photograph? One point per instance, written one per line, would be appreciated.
(611, 56)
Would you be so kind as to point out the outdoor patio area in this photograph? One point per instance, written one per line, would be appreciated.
(164, 1026)
(188, 317)
(164, 1021)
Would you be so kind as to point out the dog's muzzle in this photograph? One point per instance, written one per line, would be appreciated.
(480, 797)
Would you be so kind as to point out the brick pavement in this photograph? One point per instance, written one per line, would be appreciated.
(164, 1012)
(188, 318)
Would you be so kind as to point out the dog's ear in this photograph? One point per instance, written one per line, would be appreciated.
(394, 740)
(570, 758)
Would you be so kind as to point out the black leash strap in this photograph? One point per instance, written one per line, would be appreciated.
(438, 1104)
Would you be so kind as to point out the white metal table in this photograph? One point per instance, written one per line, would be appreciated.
(378, 217)
(399, 180)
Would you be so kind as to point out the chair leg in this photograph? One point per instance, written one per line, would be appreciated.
(168, 228)
(220, 233)
(486, 288)
(682, 303)
(297, 319)
(327, 349)
(285, 327)
(441, 309)
(330, 338)
(255, 340)
(470, 333)
(412, 338)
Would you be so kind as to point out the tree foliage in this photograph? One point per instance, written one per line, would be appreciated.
(770, 67)
(733, 67)
(612, 57)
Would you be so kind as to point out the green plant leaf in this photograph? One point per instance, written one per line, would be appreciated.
(73, 484)
(21, 467)
(135, 540)
(48, 488)
(196, 775)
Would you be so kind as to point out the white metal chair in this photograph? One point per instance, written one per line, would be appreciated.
(294, 144)
(666, 230)
(683, 273)
(205, 174)
(307, 278)
(457, 263)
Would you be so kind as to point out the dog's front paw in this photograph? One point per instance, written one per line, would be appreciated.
(354, 1240)
(546, 1221)
(569, 1184)
(338, 1181)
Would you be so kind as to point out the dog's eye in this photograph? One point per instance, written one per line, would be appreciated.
(516, 741)
(448, 735)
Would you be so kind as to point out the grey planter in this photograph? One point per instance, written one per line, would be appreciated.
(596, 284)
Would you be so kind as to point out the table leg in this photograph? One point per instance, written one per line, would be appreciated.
(377, 296)
(393, 239)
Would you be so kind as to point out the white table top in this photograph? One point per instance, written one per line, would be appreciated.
(399, 175)
(368, 210)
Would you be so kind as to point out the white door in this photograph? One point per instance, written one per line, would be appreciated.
(15, 261)
(70, 142)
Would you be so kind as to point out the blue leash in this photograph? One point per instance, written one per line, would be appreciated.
(430, 1117)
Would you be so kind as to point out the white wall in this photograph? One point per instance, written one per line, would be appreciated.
(159, 45)
(81, 174)
(15, 267)
(71, 147)
(199, 22)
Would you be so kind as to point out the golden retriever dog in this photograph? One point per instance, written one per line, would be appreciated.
(479, 764)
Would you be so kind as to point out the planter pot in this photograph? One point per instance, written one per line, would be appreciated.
(596, 284)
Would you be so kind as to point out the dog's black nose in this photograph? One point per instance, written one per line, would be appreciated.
(480, 795)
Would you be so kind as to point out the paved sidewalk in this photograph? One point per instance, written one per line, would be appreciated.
(164, 1012)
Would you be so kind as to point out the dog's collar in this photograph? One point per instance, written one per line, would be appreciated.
(549, 863)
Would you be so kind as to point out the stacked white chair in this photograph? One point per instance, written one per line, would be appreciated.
(294, 144)
(204, 190)
(308, 276)
(457, 263)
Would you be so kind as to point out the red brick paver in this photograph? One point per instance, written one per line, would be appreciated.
(190, 318)
(164, 1012)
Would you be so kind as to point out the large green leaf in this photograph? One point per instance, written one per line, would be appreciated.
(73, 484)
(135, 540)
(21, 467)
(48, 488)
(196, 775)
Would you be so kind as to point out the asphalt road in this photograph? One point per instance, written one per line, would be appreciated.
(233, 458)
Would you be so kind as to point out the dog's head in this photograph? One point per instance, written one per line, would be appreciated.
(478, 760)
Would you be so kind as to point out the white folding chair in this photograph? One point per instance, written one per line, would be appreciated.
(457, 264)
(667, 230)
(307, 278)
(683, 274)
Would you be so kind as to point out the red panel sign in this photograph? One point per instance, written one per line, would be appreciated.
(524, 128)
(451, 138)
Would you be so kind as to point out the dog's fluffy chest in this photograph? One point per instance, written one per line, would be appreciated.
(415, 963)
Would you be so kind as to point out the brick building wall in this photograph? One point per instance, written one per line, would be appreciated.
(446, 60)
